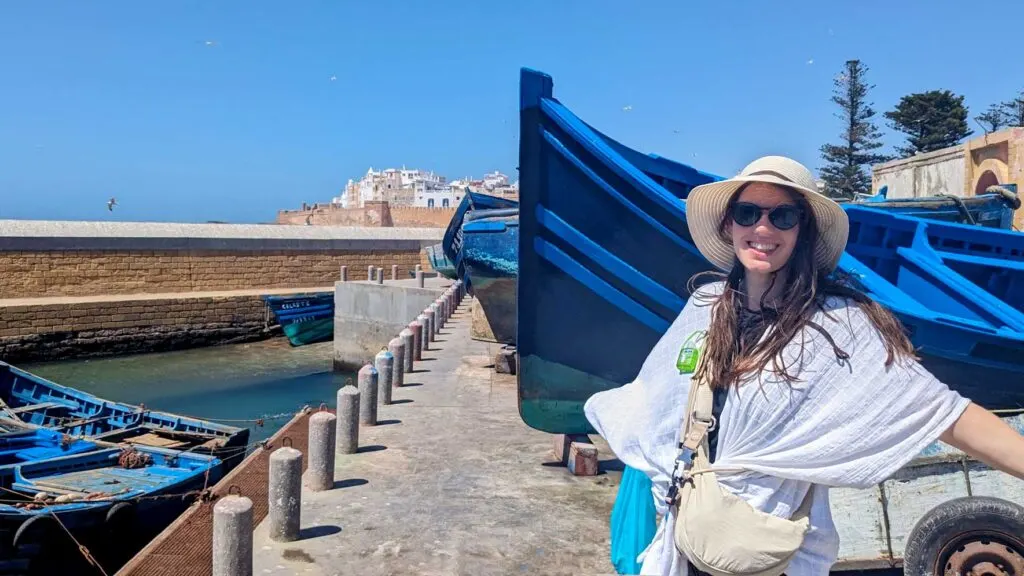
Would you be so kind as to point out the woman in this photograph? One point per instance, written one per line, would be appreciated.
(815, 385)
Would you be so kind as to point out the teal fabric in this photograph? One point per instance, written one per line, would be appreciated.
(634, 520)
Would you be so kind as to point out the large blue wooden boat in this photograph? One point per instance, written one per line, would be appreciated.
(36, 402)
(304, 318)
(452, 241)
(110, 498)
(993, 210)
(605, 256)
(489, 256)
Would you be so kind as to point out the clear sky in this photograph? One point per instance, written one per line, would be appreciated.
(199, 110)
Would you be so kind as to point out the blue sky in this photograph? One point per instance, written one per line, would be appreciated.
(126, 99)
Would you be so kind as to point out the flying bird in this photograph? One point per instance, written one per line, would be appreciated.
(811, 61)
(333, 78)
(111, 203)
(627, 107)
(211, 42)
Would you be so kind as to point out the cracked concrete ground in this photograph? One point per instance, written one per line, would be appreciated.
(451, 481)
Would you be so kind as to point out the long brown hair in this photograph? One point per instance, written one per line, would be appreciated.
(806, 288)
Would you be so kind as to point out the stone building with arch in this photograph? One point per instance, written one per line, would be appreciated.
(963, 170)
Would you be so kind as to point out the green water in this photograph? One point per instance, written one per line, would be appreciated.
(221, 383)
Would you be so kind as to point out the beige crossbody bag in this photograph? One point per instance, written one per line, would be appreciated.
(721, 533)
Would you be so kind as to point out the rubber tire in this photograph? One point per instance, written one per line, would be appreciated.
(1012, 199)
(945, 523)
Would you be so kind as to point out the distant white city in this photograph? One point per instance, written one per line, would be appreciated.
(405, 187)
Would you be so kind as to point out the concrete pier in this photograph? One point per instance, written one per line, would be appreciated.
(454, 483)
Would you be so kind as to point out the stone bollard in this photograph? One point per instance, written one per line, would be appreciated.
(425, 335)
(419, 268)
(232, 536)
(347, 436)
(435, 309)
(285, 494)
(408, 341)
(320, 472)
(385, 365)
(397, 349)
(419, 278)
(432, 319)
(417, 339)
(380, 275)
(394, 271)
(368, 395)
(369, 272)
(344, 273)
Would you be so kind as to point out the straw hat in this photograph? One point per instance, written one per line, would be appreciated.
(706, 204)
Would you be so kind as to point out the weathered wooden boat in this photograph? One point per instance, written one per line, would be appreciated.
(451, 243)
(991, 210)
(109, 498)
(31, 399)
(604, 260)
(440, 262)
(489, 256)
(304, 318)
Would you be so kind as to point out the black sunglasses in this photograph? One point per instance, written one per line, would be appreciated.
(783, 216)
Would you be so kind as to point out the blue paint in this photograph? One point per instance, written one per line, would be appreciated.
(304, 318)
(605, 256)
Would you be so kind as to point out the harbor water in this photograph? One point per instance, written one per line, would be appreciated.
(259, 385)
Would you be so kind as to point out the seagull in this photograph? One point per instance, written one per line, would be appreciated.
(211, 42)
(111, 203)
(811, 61)
(627, 107)
(333, 78)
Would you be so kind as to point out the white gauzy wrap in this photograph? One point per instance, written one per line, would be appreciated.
(846, 423)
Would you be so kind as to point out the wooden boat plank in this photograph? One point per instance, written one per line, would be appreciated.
(151, 439)
(915, 490)
(860, 521)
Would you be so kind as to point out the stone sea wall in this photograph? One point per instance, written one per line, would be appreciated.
(72, 289)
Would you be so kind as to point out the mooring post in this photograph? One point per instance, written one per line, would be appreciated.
(425, 335)
(408, 343)
(394, 271)
(232, 536)
(419, 268)
(419, 278)
(385, 364)
(397, 349)
(380, 275)
(369, 272)
(432, 319)
(445, 310)
(435, 309)
(320, 472)
(417, 339)
(344, 273)
(285, 494)
(368, 395)
(347, 436)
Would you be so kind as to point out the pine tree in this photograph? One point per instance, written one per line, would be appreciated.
(993, 119)
(931, 120)
(844, 172)
(1013, 111)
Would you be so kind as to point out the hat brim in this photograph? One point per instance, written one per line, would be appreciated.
(706, 205)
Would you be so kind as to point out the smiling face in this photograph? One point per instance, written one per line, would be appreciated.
(763, 248)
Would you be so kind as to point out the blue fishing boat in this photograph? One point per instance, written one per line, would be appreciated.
(34, 401)
(605, 257)
(440, 262)
(451, 243)
(994, 210)
(489, 256)
(304, 318)
(109, 498)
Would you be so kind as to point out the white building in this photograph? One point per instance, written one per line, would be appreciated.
(398, 187)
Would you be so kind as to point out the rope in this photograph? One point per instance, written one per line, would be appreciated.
(85, 551)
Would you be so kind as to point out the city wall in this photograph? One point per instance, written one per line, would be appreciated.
(72, 289)
(374, 213)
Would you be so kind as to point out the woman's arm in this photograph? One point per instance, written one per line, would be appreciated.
(984, 436)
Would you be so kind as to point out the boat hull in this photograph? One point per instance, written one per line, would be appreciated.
(987, 210)
(605, 258)
(440, 262)
(490, 258)
(451, 243)
(304, 318)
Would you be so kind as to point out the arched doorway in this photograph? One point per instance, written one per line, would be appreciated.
(987, 179)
